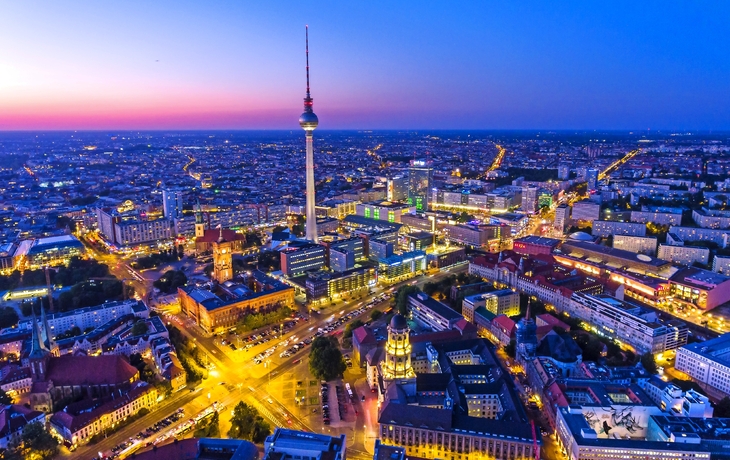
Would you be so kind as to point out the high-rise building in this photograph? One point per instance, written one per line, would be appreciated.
(172, 203)
(296, 260)
(420, 178)
(592, 178)
(309, 121)
(562, 217)
(529, 199)
(397, 188)
(564, 172)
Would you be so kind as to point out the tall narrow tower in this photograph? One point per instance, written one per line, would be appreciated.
(309, 121)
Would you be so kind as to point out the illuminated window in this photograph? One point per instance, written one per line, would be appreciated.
(367, 212)
(391, 216)
(377, 213)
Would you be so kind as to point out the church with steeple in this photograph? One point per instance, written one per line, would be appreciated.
(206, 237)
(58, 378)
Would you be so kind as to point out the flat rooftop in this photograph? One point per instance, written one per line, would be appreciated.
(717, 349)
(435, 306)
(574, 248)
(702, 279)
(539, 240)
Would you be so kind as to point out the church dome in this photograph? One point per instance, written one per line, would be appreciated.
(398, 322)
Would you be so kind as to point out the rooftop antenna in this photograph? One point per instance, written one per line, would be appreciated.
(306, 35)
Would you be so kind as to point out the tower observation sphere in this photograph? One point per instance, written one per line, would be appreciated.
(308, 120)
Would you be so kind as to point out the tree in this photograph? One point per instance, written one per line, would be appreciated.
(247, 424)
(375, 315)
(297, 230)
(170, 281)
(464, 217)
(351, 327)
(325, 358)
(8, 317)
(164, 387)
(63, 222)
(647, 360)
(5, 398)
(511, 348)
(722, 408)
(140, 328)
(39, 441)
(211, 429)
(401, 298)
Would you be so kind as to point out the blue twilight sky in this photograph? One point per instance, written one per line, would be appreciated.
(375, 64)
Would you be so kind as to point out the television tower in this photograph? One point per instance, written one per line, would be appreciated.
(309, 121)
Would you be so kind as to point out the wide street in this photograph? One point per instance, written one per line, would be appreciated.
(233, 380)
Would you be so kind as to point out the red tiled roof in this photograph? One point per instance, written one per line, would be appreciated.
(503, 322)
(465, 326)
(84, 418)
(70, 370)
(363, 335)
(553, 321)
(212, 235)
(11, 423)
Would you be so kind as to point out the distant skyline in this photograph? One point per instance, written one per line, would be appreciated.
(375, 65)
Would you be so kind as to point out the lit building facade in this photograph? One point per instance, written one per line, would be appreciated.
(384, 210)
(629, 324)
(604, 228)
(502, 302)
(707, 363)
(296, 260)
(420, 179)
(217, 311)
(638, 244)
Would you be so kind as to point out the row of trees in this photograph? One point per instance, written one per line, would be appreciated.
(170, 281)
(156, 259)
(77, 271)
(257, 320)
(191, 358)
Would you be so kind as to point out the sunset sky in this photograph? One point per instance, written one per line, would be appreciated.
(375, 65)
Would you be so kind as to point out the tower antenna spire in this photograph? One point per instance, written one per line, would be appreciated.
(306, 51)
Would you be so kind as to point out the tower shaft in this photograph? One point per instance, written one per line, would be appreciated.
(311, 215)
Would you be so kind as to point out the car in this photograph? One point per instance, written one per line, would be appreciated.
(270, 401)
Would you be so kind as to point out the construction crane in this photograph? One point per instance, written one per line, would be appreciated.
(110, 278)
(618, 163)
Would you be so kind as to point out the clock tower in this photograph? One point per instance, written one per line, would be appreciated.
(222, 259)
